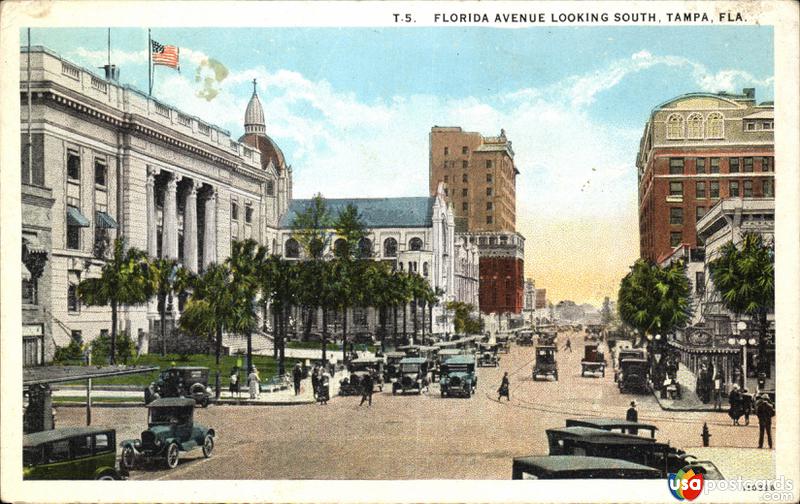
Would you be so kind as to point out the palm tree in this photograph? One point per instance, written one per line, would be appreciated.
(245, 262)
(745, 279)
(122, 282)
(213, 305)
(278, 279)
(167, 278)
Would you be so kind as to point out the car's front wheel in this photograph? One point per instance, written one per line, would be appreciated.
(107, 476)
(128, 459)
(208, 445)
(172, 455)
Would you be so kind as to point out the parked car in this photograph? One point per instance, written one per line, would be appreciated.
(488, 356)
(170, 430)
(458, 377)
(613, 425)
(392, 369)
(358, 369)
(413, 375)
(579, 467)
(633, 375)
(503, 343)
(545, 364)
(593, 360)
(525, 338)
(71, 453)
(181, 381)
(629, 353)
(547, 338)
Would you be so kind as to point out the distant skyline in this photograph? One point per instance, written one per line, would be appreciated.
(352, 108)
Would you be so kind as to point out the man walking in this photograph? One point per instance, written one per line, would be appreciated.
(297, 375)
(315, 374)
(764, 411)
(366, 390)
(568, 346)
(747, 405)
(504, 388)
(632, 416)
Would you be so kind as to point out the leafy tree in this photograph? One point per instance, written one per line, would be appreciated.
(745, 279)
(166, 278)
(123, 281)
(464, 322)
(311, 227)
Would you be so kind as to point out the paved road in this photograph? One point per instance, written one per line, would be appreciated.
(415, 437)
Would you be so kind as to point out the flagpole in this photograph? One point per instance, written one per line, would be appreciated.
(149, 64)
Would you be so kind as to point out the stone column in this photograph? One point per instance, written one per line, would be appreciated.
(152, 225)
(169, 244)
(190, 228)
(210, 235)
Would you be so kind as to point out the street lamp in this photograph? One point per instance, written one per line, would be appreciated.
(743, 343)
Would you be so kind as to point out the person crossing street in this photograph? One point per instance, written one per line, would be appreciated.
(366, 391)
(504, 388)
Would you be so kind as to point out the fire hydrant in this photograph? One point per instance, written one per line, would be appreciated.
(705, 435)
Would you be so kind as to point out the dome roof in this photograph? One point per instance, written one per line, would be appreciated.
(254, 115)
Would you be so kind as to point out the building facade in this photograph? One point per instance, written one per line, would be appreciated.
(102, 160)
(696, 149)
(502, 271)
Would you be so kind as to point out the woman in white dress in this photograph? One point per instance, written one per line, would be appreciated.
(253, 381)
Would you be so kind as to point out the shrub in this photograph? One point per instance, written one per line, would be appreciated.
(73, 351)
(101, 348)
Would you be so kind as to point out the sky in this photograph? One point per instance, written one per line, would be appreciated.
(352, 109)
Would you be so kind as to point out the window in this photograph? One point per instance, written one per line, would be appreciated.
(425, 269)
(675, 239)
(270, 188)
(465, 206)
(73, 304)
(73, 236)
(390, 247)
(364, 248)
(446, 151)
(29, 292)
(768, 188)
(415, 244)
(488, 205)
(676, 216)
(59, 451)
(488, 163)
(464, 192)
(699, 212)
(766, 164)
(700, 190)
(73, 165)
(733, 188)
(674, 127)
(695, 125)
(488, 191)
(446, 179)
(489, 219)
(234, 211)
(676, 166)
(713, 188)
(446, 191)
(714, 165)
(464, 164)
(715, 127)
(81, 446)
(292, 249)
(464, 150)
(100, 172)
(699, 282)
(676, 188)
(101, 443)
(767, 125)
(748, 165)
(700, 165)
(248, 214)
(750, 126)
(748, 189)
(733, 165)
(464, 178)
(340, 247)
(488, 178)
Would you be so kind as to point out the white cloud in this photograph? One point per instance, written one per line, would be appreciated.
(97, 58)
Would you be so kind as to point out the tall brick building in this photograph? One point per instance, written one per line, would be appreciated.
(479, 175)
(696, 149)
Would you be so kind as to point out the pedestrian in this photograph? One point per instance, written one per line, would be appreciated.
(233, 382)
(568, 346)
(315, 375)
(747, 405)
(323, 394)
(253, 383)
(719, 381)
(632, 416)
(735, 400)
(297, 376)
(764, 411)
(366, 389)
(504, 388)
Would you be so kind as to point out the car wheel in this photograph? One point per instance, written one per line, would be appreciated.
(128, 459)
(172, 455)
(107, 476)
(204, 402)
(208, 445)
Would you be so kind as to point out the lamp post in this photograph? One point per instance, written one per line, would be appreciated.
(742, 342)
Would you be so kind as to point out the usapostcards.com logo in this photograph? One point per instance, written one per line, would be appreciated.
(685, 484)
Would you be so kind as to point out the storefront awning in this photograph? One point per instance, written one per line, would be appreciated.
(105, 221)
(31, 244)
(76, 218)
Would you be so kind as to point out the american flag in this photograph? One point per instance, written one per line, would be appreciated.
(166, 55)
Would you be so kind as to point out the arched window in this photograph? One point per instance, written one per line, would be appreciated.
(425, 269)
(675, 126)
(714, 125)
(340, 247)
(389, 247)
(415, 244)
(695, 125)
(365, 248)
(291, 249)
(317, 248)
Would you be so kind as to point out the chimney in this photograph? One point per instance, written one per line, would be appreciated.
(111, 72)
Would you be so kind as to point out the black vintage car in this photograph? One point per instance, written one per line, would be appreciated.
(170, 430)
(633, 376)
(391, 370)
(579, 467)
(181, 381)
(593, 360)
(525, 338)
(614, 425)
(546, 364)
(487, 355)
(358, 369)
(413, 375)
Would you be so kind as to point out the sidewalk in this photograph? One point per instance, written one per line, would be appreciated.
(689, 400)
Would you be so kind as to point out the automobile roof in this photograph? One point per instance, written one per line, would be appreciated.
(605, 435)
(171, 402)
(608, 423)
(366, 360)
(449, 351)
(634, 360)
(413, 360)
(460, 359)
(569, 463)
(37, 438)
(395, 354)
(545, 347)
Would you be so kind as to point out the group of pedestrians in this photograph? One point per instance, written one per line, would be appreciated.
(742, 405)
(320, 384)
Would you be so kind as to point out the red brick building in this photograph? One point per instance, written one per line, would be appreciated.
(697, 149)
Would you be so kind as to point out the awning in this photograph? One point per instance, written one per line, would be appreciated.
(76, 218)
(105, 221)
(32, 245)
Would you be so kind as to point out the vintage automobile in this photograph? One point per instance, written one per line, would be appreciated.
(633, 376)
(593, 360)
(525, 338)
(488, 356)
(630, 353)
(181, 381)
(391, 370)
(413, 375)
(170, 430)
(359, 368)
(458, 377)
(614, 425)
(503, 343)
(579, 467)
(545, 364)
(547, 338)
(70, 453)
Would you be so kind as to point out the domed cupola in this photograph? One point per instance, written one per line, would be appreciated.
(254, 115)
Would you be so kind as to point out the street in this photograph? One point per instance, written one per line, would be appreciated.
(417, 437)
